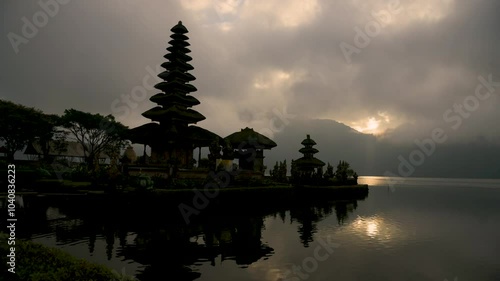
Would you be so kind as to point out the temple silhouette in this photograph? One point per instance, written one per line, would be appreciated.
(172, 135)
(308, 163)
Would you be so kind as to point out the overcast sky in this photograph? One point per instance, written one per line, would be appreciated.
(396, 69)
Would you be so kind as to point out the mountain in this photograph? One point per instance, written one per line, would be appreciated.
(369, 155)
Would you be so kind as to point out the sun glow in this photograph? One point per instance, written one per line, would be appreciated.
(376, 227)
(275, 79)
(369, 126)
(274, 14)
(369, 226)
(375, 125)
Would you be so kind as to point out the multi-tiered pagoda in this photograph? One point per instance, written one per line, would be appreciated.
(308, 163)
(171, 136)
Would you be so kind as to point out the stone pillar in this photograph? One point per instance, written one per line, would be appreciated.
(258, 164)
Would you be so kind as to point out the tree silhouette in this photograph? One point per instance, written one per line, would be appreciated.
(343, 172)
(49, 136)
(20, 125)
(96, 133)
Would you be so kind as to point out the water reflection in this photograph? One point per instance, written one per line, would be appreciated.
(375, 227)
(150, 235)
(377, 181)
(427, 182)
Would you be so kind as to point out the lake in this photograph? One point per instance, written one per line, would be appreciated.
(412, 229)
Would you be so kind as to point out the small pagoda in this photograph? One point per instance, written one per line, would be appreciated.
(307, 164)
(171, 136)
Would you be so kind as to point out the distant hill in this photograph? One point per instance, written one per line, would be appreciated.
(369, 155)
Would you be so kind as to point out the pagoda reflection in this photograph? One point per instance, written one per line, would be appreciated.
(169, 247)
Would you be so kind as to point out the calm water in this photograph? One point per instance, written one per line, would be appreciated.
(419, 229)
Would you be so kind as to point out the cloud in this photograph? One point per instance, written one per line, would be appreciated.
(252, 57)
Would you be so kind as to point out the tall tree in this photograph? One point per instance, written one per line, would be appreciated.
(95, 132)
(18, 126)
(343, 172)
(50, 136)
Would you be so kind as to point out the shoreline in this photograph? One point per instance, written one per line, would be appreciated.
(250, 189)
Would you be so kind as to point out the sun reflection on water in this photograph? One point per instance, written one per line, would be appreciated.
(376, 227)
(374, 181)
(372, 229)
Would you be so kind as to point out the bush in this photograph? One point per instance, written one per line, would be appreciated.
(278, 173)
(344, 172)
(80, 172)
(159, 181)
(35, 262)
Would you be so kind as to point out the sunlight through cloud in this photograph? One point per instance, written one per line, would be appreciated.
(375, 125)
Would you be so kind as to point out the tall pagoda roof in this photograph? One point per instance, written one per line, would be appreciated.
(151, 132)
(144, 134)
(175, 42)
(178, 48)
(174, 112)
(178, 36)
(177, 64)
(175, 85)
(179, 28)
(169, 98)
(176, 74)
(178, 55)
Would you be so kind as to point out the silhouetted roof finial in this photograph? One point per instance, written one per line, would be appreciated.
(179, 28)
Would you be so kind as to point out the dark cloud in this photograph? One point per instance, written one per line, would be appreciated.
(252, 58)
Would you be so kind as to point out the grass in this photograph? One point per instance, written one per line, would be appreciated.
(35, 262)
